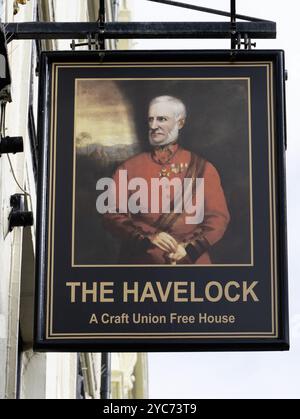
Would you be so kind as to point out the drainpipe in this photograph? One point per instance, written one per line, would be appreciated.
(116, 5)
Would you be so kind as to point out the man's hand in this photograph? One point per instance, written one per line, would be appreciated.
(178, 255)
(165, 242)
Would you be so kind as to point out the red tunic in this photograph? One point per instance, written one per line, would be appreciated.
(134, 229)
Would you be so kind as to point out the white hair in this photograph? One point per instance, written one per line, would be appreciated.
(178, 105)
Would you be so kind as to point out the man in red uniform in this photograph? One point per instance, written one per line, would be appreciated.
(167, 238)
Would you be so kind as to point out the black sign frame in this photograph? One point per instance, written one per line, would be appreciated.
(46, 339)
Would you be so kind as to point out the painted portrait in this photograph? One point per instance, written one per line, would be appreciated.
(162, 172)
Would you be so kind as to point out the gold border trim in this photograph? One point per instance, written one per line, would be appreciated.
(51, 221)
(247, 79)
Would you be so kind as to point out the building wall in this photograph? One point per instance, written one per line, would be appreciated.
(41, 376)
(11, 243)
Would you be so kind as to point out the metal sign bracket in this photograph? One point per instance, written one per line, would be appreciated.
(95, 33)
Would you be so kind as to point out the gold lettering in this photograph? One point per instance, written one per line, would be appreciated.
(249, 291)
(164, 295)
(127, 291)
(86, 292)
(73, 286)
(94, 319)
(104, 291)
(208, 295)
(227, 292)
(178, 291)
(149, 293)
(194, 299)
(105, 318)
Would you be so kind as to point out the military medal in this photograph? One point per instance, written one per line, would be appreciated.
(163, 155)
(164, 173)
(176, 169)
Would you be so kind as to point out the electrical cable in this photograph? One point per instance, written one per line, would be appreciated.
(3, 129)
(15, 179)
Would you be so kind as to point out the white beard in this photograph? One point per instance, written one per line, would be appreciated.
(171, 138)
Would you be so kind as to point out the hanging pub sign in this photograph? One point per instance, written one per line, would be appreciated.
(161, 216)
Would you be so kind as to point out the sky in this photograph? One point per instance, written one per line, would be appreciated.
(240, 375)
